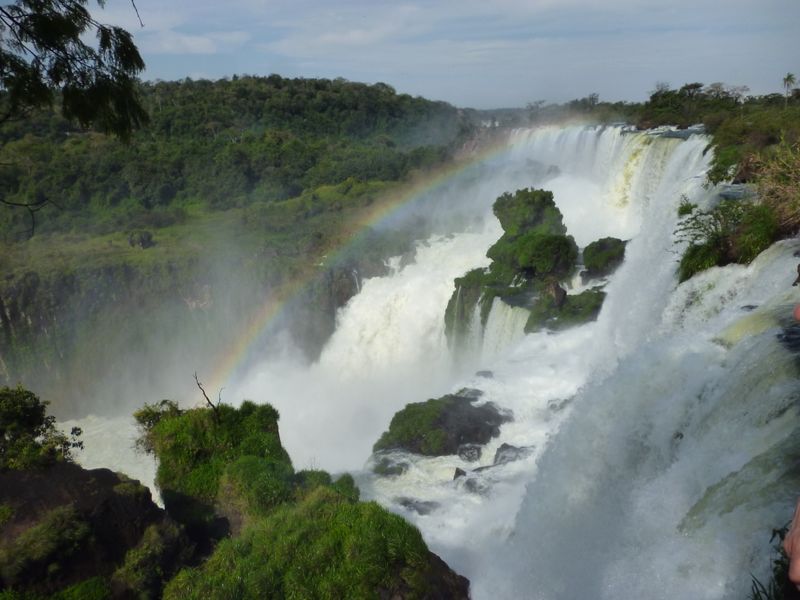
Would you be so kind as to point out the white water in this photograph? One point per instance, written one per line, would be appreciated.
(661, 435)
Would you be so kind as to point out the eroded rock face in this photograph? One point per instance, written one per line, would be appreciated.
(441, 426)
(65, 524)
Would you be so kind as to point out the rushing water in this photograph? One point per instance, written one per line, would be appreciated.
(660, 439)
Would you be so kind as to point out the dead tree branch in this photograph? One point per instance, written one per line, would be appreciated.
(214, 407)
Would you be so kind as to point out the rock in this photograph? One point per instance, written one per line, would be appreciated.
(790, 338)
(469, 452)
(476, 485)
(507, 453)
(749, 307)
(459, 473)
(602, 257)
(84, 522)
(387, 466)
(557, 294)
(558, 405)
(736, 191)
(440, 426)
(485, 374)
(421, 507)
(576, 310)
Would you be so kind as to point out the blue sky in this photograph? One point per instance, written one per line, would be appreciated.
(483, 54)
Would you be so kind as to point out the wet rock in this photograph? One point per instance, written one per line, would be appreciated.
(749, 307)
(459, 473)
(485, 374)
(476, 485)
(790, 338)
(507, 453)
(558, 405)
(388, 466)
(469, 452)
(440, 426)
(421, 507)
(86, 522)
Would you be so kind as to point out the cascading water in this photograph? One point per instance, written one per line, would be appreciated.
(654, 446)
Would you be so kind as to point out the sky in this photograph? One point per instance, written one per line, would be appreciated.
(474, 53)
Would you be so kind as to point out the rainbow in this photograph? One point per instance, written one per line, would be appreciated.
(237, 353)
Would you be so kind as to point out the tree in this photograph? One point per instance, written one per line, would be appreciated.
(788, 82)
(28, 436)
(43, 57)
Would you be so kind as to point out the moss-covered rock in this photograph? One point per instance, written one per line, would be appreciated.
(532, 255)
(575, 310)
(529, 210)
(68, 529)
(196, 448)
(326, 546)
(439, 426)
(298, 534)
(603, 256)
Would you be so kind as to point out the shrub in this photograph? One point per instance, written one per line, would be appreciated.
(41, 550)
(576, 310)
(733, 231)
(603, 256)
(154, 560)
(195, 447)
(28, 436)
(325, 547)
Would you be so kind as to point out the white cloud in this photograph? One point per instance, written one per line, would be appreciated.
(478, 52)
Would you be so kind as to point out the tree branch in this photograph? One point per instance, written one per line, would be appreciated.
(208, 401)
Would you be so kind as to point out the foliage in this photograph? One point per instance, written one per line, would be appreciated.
(440, 425)
(417, 426)
(528, 210)
(194, 448)
(601, 257)
(686, 207)
(778, 587)
(148, 417)
(6, 512)
(152, 562)
(576, 310)
(324, 547)
(732, 231)
(223, 144)
(43, 52)
(95, 588)
(779, 185)
(28, 436)
(41, 550)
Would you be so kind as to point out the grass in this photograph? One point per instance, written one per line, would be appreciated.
(41, 550)
(326, 546)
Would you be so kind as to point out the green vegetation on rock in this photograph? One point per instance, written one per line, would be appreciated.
(41, 551)
(325, 546)
(603, 256)
(295, 534)
(731, 232)
(439, 426)
(196, 447)
(575, 310)
(28, 436)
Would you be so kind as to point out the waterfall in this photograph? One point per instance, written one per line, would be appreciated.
(660, 440)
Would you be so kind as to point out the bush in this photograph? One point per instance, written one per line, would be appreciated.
(576, 310)
(41, 550)
(733, 231)
(603, 256)
(153, 561)
(195, 447)
(28, 436)
(325, 547)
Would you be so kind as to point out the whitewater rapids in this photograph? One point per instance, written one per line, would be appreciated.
(661, 437)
